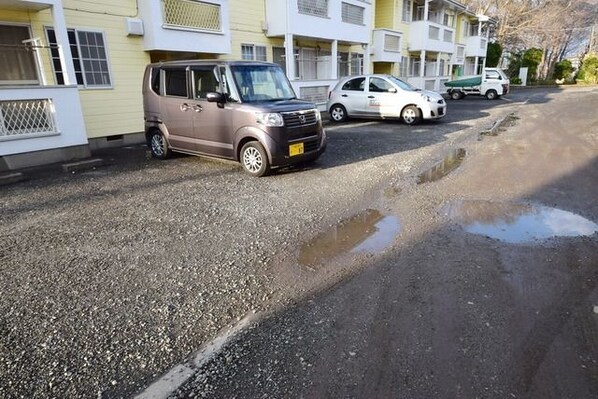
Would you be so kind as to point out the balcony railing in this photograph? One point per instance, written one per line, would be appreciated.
(318, 8)
(27, 117)
(192, 15)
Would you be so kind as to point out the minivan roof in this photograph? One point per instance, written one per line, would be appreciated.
(208, 62)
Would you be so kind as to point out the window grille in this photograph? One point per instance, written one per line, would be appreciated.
(483, 44)
(192, 14)
(434, 33)
(352, 14)
(318, 8)
(24, 117)
(448, 36)
(315, 94)
(406, 10)
(392, 43)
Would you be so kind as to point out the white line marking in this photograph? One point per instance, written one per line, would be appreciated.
(180, 373)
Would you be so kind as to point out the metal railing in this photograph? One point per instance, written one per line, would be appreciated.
(192, 15)
(27, 117)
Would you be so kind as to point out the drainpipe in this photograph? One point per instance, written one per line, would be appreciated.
(422, 64)
(290, 55)
(366, 58)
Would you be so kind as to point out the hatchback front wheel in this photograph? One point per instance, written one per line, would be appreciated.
(411, 115)
(338, 113)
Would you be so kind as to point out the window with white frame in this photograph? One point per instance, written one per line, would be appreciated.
(17, 62)
(406, 10)
(392, 43)
(318, 8)
(449, 20)
(253, 52)
(90, 58)
(352, 14)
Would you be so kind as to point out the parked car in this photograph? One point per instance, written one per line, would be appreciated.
(492, 84)
(383, 96)
(241, 110)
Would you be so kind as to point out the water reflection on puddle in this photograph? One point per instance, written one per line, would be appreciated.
(519, 223)
(438, 171)
(369, 231)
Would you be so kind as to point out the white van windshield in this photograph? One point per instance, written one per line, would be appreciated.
(262, 83)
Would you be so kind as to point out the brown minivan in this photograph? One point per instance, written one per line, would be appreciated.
(241, 110)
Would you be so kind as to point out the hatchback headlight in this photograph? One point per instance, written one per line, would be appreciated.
(427, 98)
(269, 119)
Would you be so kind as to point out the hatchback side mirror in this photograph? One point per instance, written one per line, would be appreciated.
(392, 90)
(214, 97)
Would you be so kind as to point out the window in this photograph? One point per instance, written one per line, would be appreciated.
(318, 8)
(352, 14)
(406, 10)
(175, 82)
(493, 75)
(392, 43)
(17, 63)
(354, 84)
(379, 85)
(89, 58)
(279, 57)
(204, 81)
(253, 52)
(156, 80)
(449, 20)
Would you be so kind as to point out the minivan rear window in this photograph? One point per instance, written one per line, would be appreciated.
(156, 80)
(175, 81)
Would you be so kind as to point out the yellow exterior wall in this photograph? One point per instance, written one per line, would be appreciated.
(385, 14)
(246, 21)
(110, 111)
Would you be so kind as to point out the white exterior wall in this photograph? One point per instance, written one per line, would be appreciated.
(157, 36)
(70, 125)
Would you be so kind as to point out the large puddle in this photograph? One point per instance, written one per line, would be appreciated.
(519, 223)
(448, 164)
(368, 231)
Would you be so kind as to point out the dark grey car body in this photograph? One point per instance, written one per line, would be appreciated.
(199, 108)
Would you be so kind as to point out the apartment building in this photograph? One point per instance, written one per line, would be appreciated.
(70, 70)
(427, 42)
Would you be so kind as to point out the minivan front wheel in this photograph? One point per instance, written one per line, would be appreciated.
(255, 159)
(338, 113)
(158, 145)
(410, 115)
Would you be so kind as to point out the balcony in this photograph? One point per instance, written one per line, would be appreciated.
(40, 108)
(386, 45)
(347, 20)
(431, 36)
(198, 26)
(476, 46)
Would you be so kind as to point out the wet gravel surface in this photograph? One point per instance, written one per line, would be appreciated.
(110, 277)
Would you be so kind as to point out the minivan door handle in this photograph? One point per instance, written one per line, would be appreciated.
(197, 108)
(185, 107)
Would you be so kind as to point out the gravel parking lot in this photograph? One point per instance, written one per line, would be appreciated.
(111, 276)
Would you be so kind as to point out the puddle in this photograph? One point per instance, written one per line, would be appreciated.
(368, 231)
(519, 223)
(438, 171)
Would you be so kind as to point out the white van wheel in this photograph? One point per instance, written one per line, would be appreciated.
(491, 95)
(410, 115)
(255, 159)
(158, 145)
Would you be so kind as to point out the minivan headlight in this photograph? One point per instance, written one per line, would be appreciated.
(318, 115)
(269, 119)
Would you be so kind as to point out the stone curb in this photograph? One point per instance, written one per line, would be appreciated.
(82, 165)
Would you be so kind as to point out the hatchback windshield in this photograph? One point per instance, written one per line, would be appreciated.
(403, 85)
(262, 83)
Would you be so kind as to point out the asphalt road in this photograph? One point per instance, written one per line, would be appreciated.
(443, 312)
(113, 276)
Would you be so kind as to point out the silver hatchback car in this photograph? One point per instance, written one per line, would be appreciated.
(383, 96)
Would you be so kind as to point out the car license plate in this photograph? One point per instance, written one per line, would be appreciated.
(296, 149)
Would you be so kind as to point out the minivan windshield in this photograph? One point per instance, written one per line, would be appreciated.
(403, 85)
(262, 83)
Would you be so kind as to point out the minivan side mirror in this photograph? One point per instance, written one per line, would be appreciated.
(214, 97)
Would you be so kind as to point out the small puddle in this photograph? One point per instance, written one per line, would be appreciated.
(438, 171)
(368, 231)
(519, 223)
